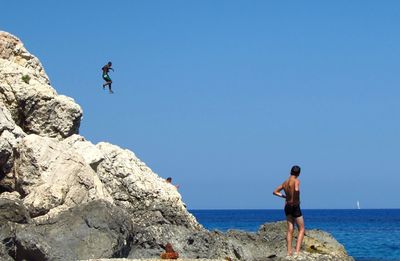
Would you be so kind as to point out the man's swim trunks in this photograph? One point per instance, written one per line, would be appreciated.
(106, 78)
(293, 210)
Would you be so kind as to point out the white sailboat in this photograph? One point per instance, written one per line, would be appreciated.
(358, 205)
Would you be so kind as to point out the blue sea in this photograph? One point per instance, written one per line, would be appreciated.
(368, 235)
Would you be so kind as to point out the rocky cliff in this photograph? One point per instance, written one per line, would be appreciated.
(64, 198)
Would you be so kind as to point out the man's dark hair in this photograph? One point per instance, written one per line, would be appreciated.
(295, 170)
(169, 179)
(109, 63)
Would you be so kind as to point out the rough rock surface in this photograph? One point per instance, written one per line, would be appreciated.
(132, 185)
(12, 214)
(64, 198)
(4, 254)
(10, 133)
(318, 244)
(13, 211)
(34, 106)
(93, 230)
(151, 259)
(52, 177)
(267, 244)
(135, 187)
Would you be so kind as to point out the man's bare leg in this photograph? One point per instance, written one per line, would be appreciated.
(289, 235)
(300, 225)
(109, 87)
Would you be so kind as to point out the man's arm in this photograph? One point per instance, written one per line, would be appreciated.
(277, 191)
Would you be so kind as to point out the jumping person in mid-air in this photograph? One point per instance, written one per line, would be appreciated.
(106, 68)
(291, 186)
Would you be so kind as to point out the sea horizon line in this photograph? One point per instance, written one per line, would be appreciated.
(280, 209)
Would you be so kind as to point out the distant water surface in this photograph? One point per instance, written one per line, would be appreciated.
(367, 234)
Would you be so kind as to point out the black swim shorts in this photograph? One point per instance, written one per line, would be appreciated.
(106, 78)
(293, 210)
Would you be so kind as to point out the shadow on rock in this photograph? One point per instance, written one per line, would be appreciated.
(94, 230)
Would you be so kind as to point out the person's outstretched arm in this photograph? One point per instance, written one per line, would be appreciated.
(277, 191)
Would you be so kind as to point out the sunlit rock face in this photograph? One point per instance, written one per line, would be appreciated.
(26, 92)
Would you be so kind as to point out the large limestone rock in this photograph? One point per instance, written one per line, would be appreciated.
(12, 214)
(268, 243)
(317, 245)
(10, 134)
(34, 104)
(97, 229)
(13, 211)
(133, 185)
(13, 51)
(51, 176)
(90, 153)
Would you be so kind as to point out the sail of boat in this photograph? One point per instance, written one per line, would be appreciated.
(358, 204)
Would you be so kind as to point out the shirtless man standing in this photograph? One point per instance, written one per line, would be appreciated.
(291, 186)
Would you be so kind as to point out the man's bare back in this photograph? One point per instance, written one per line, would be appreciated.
(292, 190)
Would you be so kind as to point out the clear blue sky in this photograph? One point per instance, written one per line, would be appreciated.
(225, 96)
